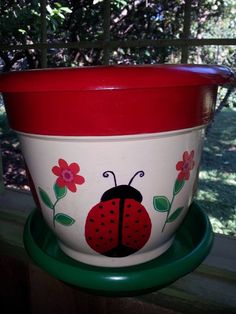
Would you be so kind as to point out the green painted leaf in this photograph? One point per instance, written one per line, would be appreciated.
(178, 186)
(64, 219)
(45, 198)
(59, 192)
(161, 203)
(175, 214)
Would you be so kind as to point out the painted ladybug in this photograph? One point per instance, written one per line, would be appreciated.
(119, 225)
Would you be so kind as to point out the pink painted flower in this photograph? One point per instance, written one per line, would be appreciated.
(185, 166)
(67, 175)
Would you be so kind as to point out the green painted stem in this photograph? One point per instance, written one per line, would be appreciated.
(54, 225)
(168, 213)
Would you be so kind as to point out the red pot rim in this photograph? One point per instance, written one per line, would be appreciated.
(114, 77)
(113, 100)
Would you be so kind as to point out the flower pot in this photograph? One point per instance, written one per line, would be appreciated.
(113, 152)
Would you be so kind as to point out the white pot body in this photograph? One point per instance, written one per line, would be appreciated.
(156, 155)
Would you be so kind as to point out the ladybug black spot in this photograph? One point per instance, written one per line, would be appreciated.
(112, 212)
(112, 221)
(127, 215)
(110, 231)
(91, 220)
(102, 215)
(101, 238)
(136, 221)
(100, 206)
(97, 230)
(139, 210)
(102, 224)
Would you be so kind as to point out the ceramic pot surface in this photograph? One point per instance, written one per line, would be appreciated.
(113, 153)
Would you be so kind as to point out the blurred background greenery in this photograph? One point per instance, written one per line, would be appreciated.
(82, 21)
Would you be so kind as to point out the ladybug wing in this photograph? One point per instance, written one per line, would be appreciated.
(101, 227)
(137, 225)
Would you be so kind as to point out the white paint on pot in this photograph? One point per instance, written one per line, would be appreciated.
(66, 211)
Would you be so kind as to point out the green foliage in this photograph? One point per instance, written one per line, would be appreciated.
(215, 25)
(4, 126)
(120, 4)
(217, 180)
(72, 21)
(20, 23)
(56, 15)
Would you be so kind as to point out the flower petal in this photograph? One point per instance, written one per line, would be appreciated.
(71, 186)
(186, 156)
(191, 154)
(179, 165)
(181, 176)
(63, 164)
(60, 182)
(79, 179)
(187, 175)
(74, 168)
(56, 170)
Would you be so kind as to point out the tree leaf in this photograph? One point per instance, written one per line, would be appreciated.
(59, 192)
(64, 219)
(66, 9)
(178, 186)
(45, 198)
(161, 203)
(49, 9)
(175, 214)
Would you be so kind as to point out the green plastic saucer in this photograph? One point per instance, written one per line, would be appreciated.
(191, 245)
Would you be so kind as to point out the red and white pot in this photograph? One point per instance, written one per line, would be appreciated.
(113, 152)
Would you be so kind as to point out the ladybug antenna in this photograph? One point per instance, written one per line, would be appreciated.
(106, 175)
(141, 174)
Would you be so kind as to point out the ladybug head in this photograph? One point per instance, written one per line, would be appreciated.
(122, 191)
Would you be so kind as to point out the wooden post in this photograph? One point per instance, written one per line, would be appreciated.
(43, 34)
(186, 30)
(106, 32)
